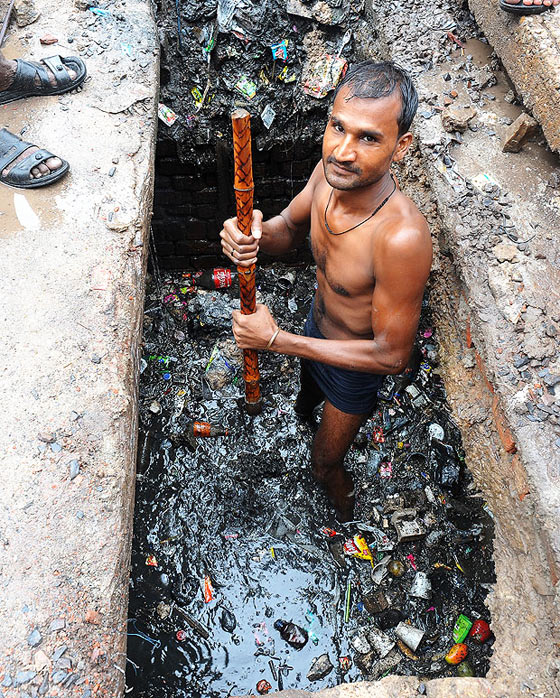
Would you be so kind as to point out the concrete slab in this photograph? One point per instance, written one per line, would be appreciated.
(72, 266)
(529, 48)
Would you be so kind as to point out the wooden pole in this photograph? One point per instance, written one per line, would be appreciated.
(243, 185)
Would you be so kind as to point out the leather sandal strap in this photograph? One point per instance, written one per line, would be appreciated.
(22, 171)
(11, 147)
(60, 71)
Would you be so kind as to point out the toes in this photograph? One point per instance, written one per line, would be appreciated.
(52, 164)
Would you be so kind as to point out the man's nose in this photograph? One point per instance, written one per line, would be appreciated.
(345, 151)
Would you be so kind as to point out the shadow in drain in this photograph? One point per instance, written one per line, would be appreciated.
(232, 535)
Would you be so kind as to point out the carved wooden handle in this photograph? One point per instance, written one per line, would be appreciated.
(243, 185)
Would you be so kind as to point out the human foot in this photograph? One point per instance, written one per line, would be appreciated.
(528, 7)
(339, 488)
(26, 166)
(51, 76)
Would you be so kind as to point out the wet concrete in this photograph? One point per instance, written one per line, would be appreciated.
(72, 288)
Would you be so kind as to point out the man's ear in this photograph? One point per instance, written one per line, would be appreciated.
(403, 144)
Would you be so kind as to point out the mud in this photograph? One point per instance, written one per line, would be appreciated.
(243, 511)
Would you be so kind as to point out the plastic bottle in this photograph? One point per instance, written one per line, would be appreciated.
(194, 430)
(294, 635)
(211, 279)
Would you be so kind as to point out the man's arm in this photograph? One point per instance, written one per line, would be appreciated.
(402, 268)
(275, 236)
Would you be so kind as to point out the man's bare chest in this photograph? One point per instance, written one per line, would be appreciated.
(345, 262)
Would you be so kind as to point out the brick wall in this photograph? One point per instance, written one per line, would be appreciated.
(191, 200)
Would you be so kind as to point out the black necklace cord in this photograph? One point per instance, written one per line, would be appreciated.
(365, 219)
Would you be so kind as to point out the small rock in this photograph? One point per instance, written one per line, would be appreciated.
(24, 677)
(57, 624)
(6, 681)
(59, 676)
(41, 661)
(155, 407)
(57, 654)
(509, 97)
(74, 469)
(516, 134)
(320, 667)
(56, 448)
(456, 118)
(80, 515)
(48, 40)
(505, 252)
(47, 437)
(44, 687)
(93, 617)
(34, 639)
(26, 12)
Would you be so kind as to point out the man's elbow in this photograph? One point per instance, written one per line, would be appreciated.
(395, 363)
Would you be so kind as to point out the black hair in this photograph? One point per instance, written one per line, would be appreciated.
(371, 80)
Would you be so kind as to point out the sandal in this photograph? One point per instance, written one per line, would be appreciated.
(24, 84)
(11, 147)
(520, 9)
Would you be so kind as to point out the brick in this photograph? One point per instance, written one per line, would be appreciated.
(172, 167)
(518, 132)
(166, 149)
(468, 336)
(503, 430)
(183, 182)
(206, 212)
(207, 196)
(482, 370)
(165, 249)
(190, 247)
(206, 261)
(195, 229)
(163, 197)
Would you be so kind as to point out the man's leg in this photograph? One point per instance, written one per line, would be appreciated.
(332, 441)
(7, 74)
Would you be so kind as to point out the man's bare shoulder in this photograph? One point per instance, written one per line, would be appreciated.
(404, 226)
(404, 235)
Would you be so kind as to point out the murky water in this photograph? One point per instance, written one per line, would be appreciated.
(242, 512)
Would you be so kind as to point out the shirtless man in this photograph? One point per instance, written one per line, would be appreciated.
(373, 253)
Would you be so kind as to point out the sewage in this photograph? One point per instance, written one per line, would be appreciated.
(232, 534)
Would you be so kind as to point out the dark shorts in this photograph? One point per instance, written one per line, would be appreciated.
(353, 392)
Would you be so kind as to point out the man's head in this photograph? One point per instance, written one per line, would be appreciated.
(368, 128)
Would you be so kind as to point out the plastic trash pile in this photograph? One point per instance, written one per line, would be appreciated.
(243, 581)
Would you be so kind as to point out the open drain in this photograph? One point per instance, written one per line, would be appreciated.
(233, 535)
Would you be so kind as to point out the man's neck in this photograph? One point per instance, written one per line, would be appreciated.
(362, 200)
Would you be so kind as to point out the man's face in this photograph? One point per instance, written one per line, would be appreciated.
(360, 140)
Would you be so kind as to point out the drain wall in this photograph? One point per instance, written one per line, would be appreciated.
(192, 198)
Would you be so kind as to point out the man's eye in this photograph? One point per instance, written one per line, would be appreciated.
(369, 139)
(338, 127)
